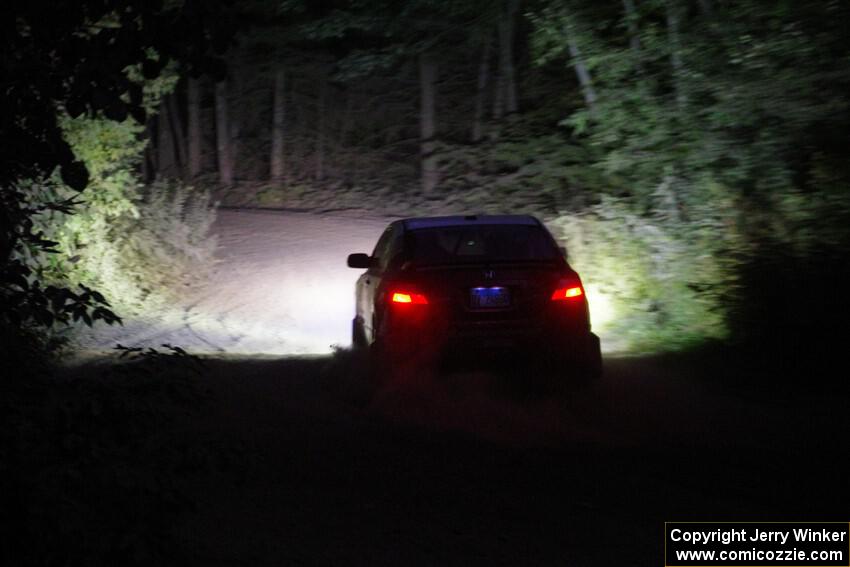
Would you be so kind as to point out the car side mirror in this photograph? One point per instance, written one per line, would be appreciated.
(359, 260)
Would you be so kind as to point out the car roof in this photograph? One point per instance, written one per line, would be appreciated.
(467, 220)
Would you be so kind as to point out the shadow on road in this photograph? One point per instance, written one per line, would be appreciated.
(460, 469)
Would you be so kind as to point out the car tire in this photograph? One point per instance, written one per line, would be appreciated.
(358, 336)
(578, 369)
(399, 365)
(591, 365)
(383, 368)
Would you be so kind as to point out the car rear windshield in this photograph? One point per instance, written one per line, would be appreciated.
(488, 243)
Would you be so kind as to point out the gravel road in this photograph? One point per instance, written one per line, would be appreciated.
(281, 287)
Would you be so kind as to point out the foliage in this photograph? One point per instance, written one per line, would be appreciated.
(80, 56)
(75, 74)
(89, 472)
(527, 158)
(398, 29)
(162, 250)
(350, 91)
(715, 146)
(730, 110)
(137, 245)
(30, 303)
(667, 284)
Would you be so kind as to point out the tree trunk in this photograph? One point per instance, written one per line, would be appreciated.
(481, 92)
(672, 13)
(235, 112)
(149, 160)
(194, 133)
(320, 135)
(345, 123)
(427, 123)
(631, 23)
(277, 161)
(582, 72)
(166, 165)
(351, 163)
(176, 124)
(499, 89)
(222, 135)
(507, 71)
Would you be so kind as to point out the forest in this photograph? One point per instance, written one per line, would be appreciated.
(692, 155)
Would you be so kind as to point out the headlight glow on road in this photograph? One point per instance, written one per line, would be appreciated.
(282, 287)
(601, 308)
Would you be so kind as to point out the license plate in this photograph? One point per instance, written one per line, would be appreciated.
(489, 297)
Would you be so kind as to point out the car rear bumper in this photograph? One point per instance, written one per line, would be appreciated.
(562, 339)
(540, 339)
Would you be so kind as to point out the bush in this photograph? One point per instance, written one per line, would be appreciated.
(137, 245)
(148, 258)
(655, 282)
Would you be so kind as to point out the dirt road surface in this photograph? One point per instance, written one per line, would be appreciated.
(462, 469)
(281, 287)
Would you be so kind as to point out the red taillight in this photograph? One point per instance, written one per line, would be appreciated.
(564, 293)
(407, 297)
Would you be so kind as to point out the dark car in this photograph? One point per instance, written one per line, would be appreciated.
(466, 285)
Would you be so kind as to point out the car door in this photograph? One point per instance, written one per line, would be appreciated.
(368, 283)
